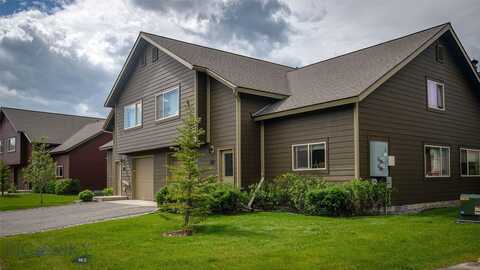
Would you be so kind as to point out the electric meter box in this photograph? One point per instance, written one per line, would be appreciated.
(470, 208)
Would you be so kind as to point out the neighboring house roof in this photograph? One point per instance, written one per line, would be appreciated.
(107, 146)
(340, 80)
(56, 128)
(83, 135)
(110, 121)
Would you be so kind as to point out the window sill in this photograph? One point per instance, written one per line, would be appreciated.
(435, 110)
(133, 128)
(300, 170)
(438, 177)
(168, 119)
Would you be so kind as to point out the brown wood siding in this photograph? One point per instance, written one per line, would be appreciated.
(397, 111)
(144, 83)
(202, 99)
(63, 160)
(7, 131)
(334, 126)
(222, 121)
(88, 163)
(250, 134)
(222, 115)
(110, 169)
(159, 170)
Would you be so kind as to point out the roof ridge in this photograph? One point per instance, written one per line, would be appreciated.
(64, 114)
(372, 46)
(224, 51)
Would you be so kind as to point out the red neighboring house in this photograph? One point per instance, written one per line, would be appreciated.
(19, 128)
(79, 157)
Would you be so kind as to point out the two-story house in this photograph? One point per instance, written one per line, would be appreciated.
(69, 137)
(404, 111)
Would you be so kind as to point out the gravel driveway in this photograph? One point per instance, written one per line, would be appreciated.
(48, 218)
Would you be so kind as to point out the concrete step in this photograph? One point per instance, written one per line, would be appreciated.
(109, 198)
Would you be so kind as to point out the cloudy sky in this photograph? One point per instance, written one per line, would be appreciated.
(63, 55)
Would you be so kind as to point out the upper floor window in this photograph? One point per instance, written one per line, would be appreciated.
(11, 144)
(143, 59)
(437, 161)
(59, 171)
(132, 115)
(167, 103)
(440, 53)
(154, 54)
(310, 156)
(1, 146)
(469, 162)
(436, 95)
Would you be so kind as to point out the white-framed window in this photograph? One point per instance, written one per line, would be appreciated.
(436, 95)
(437, 161)
(167, 103)
(132, 115)
(154, 54)
(1, 146)
(59, 171)
(440, 53)
(11, 144)
(309, 156)
(469, 162)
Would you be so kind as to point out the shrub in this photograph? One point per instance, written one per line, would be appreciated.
(166, 194)
(107, 192)
(12, 189)
(48, 188)
(225, 199)
(86, 195)
(67, 186)
(357, 197)
(217, 197)
(286, 191)
(294, 188)
(337, 201)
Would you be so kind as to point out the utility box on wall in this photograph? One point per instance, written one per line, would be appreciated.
(379, 158)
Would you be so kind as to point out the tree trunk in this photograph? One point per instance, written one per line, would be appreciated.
(41, 197)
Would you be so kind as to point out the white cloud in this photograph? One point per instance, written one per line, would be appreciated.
(6, 93)
(70, 57)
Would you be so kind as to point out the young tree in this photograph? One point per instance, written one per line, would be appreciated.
(41, 168)
(189, 196)
(4, 176)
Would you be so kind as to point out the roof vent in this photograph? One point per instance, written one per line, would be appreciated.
(475, 63)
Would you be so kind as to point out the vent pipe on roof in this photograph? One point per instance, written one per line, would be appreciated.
(475, 63)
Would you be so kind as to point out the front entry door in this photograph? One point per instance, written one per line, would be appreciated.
(226, 166)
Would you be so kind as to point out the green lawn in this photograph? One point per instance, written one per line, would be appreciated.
(253, 241)
(32, 200)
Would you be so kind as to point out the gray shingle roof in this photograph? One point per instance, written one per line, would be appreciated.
(55, 127)
(108, 145)
(83, 135)
(348, 75)
(240, 70)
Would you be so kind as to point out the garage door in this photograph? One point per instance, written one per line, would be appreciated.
(144, 179)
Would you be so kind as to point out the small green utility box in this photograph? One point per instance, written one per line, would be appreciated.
(470, 208)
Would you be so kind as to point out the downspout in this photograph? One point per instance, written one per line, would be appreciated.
(238, 138)
(356, 142)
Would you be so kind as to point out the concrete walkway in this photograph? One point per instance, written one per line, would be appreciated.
(464, 266)
(48, 218)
